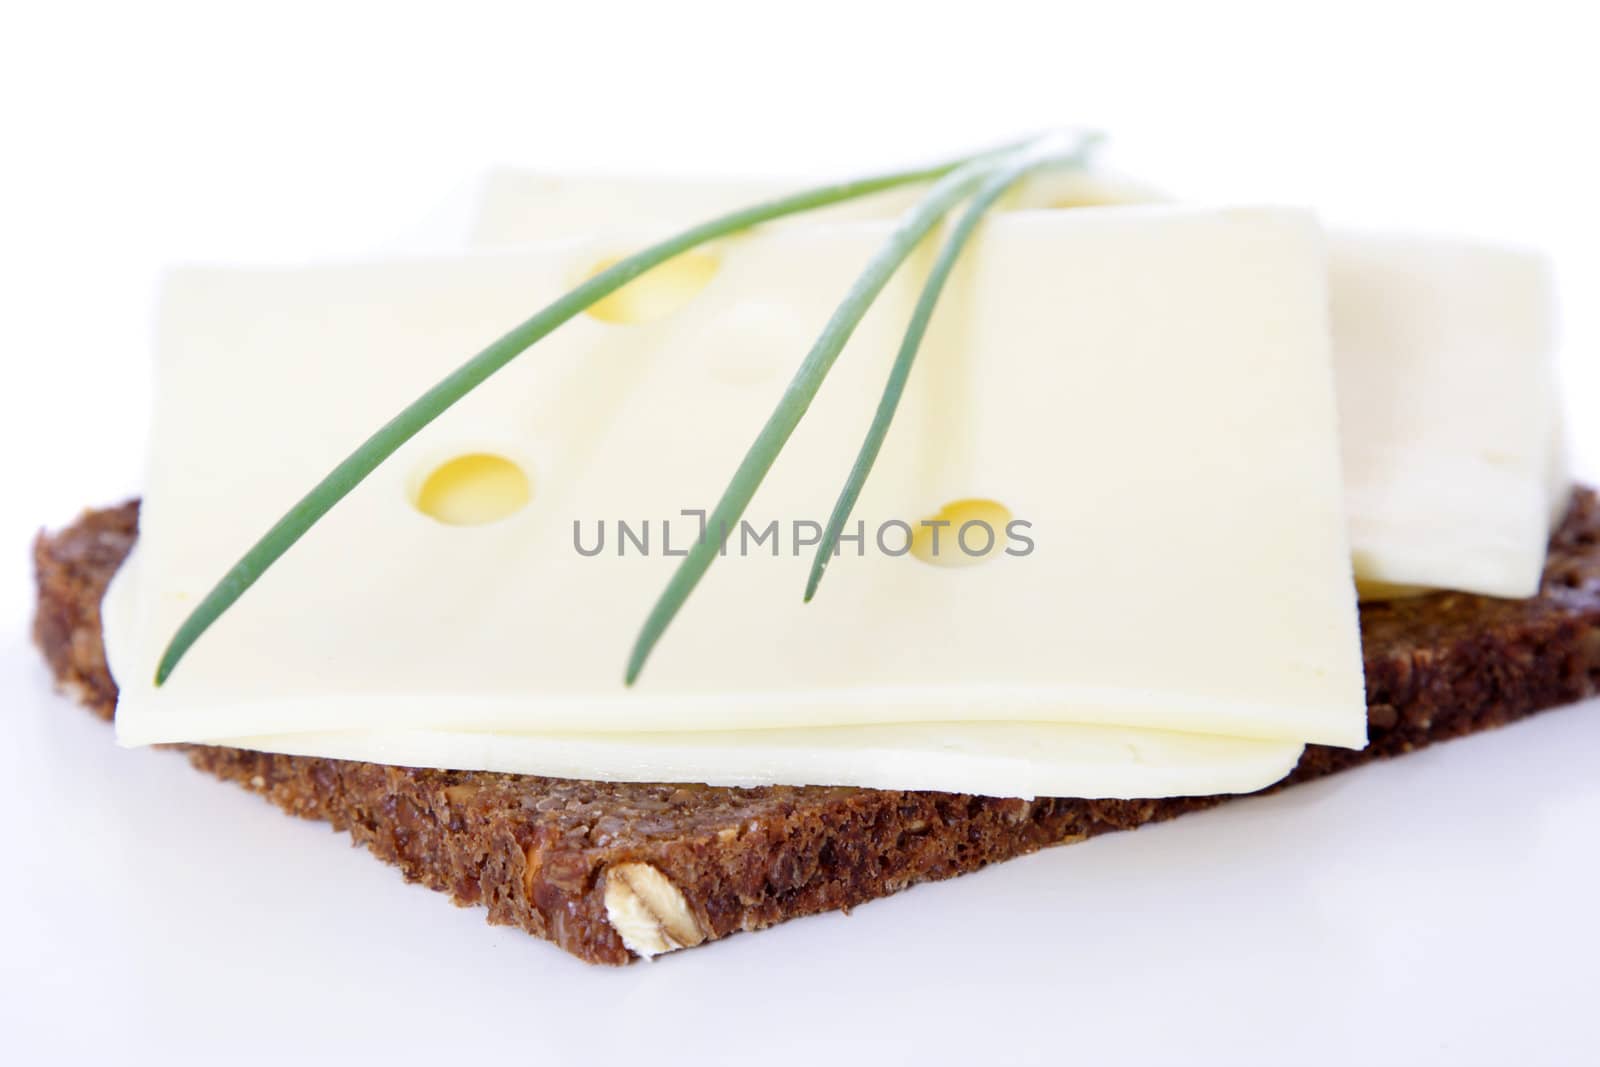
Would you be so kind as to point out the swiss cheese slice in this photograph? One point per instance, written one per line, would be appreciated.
(1021, 759)
(1454, 463)
(521, 207)
(1182, 566)
(991, 759)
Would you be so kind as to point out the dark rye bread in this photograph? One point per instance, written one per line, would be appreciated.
(539, 853)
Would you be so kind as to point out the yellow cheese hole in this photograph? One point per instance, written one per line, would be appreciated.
(1086, 190)
(473, 490)
(1085, 200)
(657, 292)
(963, 533)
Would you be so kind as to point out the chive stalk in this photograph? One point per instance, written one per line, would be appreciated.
(954, 187)
(355, 468)
(1046, 154)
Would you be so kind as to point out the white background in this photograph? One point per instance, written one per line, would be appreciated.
(1439, 909)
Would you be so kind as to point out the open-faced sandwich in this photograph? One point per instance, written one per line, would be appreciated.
(805, 545)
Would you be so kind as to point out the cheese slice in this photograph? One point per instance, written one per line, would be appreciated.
(987, 759)
(990, 759)
(521, 207)
(1453, 456)
(1455, 468)
(1184, 566)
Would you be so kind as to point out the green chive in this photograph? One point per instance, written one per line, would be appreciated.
(954, 187)
(422, 411)
(993, 188)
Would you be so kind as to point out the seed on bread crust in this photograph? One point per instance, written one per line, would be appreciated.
(648, 911)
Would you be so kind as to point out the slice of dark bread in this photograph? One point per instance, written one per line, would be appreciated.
(682, 864)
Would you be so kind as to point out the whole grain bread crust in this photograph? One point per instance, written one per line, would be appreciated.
(540, 853)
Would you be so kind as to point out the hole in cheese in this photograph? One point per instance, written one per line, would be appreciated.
(474, 490)
(962, 533)
(1085, 200)
(657, 292)
(1075, 189)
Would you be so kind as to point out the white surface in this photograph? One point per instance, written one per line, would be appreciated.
(1438, 909)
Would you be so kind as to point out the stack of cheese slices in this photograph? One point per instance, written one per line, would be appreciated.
(1193, 432)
